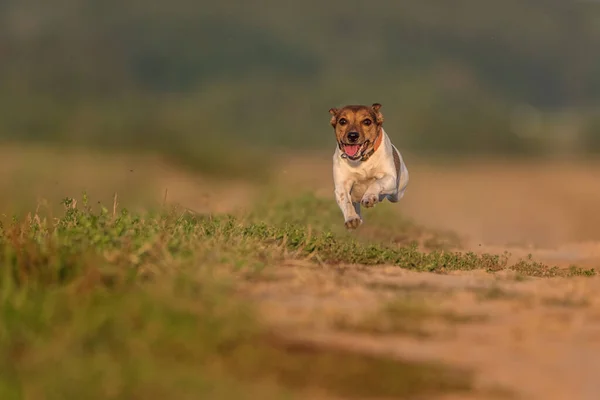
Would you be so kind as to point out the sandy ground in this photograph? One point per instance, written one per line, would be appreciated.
(536, 339)
(539, 338)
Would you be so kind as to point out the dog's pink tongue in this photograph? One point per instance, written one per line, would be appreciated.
(351, 150)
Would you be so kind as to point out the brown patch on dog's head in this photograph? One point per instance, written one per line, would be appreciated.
(356, 128)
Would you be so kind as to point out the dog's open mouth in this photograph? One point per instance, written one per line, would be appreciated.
(354, 151)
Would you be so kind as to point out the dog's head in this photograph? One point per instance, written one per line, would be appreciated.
(356, 128)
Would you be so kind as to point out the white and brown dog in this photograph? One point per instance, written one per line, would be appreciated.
(367, 167)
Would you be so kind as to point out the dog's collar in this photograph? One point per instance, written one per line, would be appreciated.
(376, 145)
(369, 153)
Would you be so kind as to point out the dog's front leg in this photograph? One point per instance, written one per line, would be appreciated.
(384, 186)
(351, 211)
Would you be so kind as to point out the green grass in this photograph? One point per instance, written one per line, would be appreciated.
(145, 306)
(382, 224)
(530, 267)
(103, 303)
(309, 226)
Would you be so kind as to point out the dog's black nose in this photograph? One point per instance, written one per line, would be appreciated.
(352, 136)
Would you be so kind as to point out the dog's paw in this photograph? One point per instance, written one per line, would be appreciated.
(353, 223)
(369, 200)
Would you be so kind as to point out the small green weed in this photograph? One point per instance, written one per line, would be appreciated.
(534, 268)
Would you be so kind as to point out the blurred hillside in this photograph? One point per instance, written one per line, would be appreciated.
(199, 79)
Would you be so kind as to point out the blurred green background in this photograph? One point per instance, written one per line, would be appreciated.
(213, 84)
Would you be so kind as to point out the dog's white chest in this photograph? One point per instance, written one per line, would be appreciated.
(365, 171)
(362, 177)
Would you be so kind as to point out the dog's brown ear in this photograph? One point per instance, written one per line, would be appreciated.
(378, 114)
(334, 113)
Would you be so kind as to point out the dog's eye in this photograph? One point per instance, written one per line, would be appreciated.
(342, 121)
(367, 122)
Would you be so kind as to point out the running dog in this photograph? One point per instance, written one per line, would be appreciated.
(367, 167)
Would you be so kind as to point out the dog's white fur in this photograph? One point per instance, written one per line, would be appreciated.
(368, 182)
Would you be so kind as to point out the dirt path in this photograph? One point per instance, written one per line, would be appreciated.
(536, 338)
